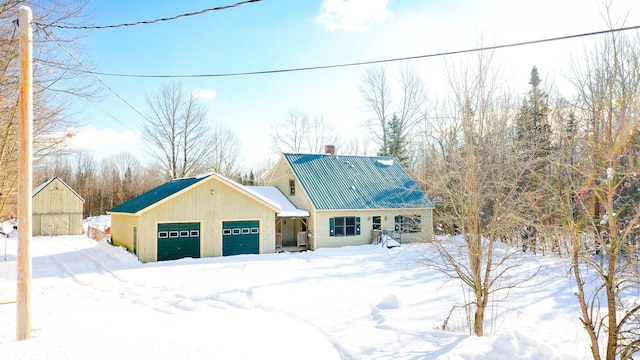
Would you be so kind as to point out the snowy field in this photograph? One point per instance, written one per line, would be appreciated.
(91, 300)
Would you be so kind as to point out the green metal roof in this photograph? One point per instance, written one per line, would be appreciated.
(356, 182)
(154, 195)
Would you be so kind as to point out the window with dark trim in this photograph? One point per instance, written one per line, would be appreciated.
(344, 226)
(292, 187)
(408, 224)
(377, 222)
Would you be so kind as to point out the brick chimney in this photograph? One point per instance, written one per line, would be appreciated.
(330, 149)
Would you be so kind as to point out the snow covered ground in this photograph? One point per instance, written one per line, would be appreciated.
(91, 300)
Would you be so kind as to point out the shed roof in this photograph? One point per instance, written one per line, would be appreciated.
(46, 183)
(155, 195)
(274, 194)
(356, 182)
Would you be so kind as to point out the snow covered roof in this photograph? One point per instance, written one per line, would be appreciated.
(249, 190)
(275, 195)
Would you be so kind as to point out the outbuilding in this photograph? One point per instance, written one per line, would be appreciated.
(201, 216)
(56, 209)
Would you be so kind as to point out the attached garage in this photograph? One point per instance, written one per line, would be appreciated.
(178, 240)
(195, 217)
(240, 237)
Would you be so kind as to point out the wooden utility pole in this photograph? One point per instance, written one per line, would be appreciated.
(25, 176)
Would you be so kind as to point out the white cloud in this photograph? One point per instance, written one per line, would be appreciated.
(93, 139)
(351, 14)
(205, 94)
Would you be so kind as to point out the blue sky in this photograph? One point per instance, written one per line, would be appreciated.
(280, 34)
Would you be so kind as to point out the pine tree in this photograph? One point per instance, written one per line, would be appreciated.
(533, 138)
(396, 143)
(532, 123)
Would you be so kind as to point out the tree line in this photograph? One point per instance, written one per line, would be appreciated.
(546, 173)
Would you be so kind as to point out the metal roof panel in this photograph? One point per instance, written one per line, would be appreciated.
(356, 182)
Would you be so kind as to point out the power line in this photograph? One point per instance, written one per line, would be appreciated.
(147, 22)
(87, 70)
(372, 62)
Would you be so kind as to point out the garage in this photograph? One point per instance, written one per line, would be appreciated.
(240, 237)
(178, 240)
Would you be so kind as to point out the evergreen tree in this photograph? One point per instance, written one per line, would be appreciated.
(532, 123)
(396, 142)
(533, 139)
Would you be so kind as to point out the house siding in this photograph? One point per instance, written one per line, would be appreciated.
(122, 226)
(323, 238)
(279, 177)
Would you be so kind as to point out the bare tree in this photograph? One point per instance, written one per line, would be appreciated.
(54, 77)
(598, 168)
(223, 155)
(375, 89)
(299, 133)
(397, 110)
(177, 133)
(289, 135)
(320, 133)
(475, 182)
(85, 179)
(354, 146)
(129, 171)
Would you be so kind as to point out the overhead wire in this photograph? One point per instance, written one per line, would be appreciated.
(373, 62)
(147, 22)
(87, 70)
(285, 70)
(43, 27)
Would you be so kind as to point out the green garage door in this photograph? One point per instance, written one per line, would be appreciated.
(178, 240)
(240, 237)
